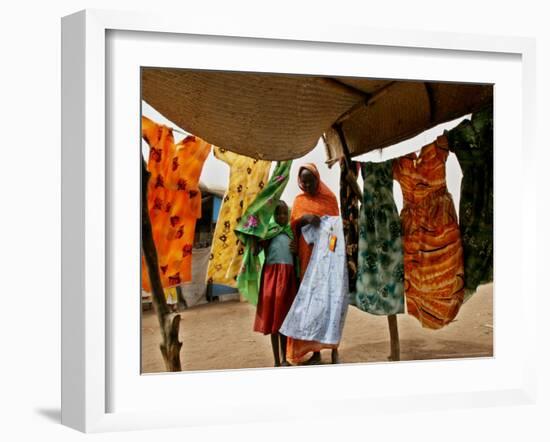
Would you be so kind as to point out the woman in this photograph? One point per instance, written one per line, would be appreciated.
(315, 201)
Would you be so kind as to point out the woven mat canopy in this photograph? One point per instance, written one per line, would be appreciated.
(279, 117)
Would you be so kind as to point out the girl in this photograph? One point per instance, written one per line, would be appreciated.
(278, 282)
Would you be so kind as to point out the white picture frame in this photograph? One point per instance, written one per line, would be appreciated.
(86, 203)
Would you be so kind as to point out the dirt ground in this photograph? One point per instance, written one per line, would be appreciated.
(219, 336)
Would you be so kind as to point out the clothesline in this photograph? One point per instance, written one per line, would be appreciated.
(180, 131)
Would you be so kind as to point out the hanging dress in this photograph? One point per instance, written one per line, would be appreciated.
(433, 261)
(174, 200)
(349, 209)
(247, 178)
(380, 288)
(472, 143)
(319, 309)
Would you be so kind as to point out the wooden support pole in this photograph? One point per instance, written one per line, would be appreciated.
(395, 352)
(351, 178)
(169, 322)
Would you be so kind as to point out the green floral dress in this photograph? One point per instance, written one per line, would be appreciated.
(257, 222)
(472, 143)
(380, 288)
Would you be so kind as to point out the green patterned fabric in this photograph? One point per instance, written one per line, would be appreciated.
(257, 224)
(380, 280)
(472, 143)
(349, 210)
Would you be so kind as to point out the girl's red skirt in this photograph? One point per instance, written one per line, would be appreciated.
(277, 292)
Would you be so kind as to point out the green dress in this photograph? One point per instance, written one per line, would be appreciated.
(257, 223)
(380, 287)
(472, 143)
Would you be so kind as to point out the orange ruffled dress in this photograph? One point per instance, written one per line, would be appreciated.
(174, 200)
(433, 258)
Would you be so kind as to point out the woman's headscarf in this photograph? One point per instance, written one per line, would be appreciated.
(322, 202)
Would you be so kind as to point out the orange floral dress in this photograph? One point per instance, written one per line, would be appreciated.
(174, 200)
(433, 258)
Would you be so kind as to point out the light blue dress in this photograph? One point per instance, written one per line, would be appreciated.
(319, 309)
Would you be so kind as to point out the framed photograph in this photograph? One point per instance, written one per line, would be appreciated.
(248, 211)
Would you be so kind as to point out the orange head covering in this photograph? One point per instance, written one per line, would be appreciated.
(322, 202)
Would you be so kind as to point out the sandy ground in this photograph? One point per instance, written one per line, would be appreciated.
(219, 336)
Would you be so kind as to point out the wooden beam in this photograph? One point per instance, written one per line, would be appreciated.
(431, 100)
(169, 322)
(346, 87)
(351, 111)
(351, 178)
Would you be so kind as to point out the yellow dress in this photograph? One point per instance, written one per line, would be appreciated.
(247, 177)
(174, 200)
